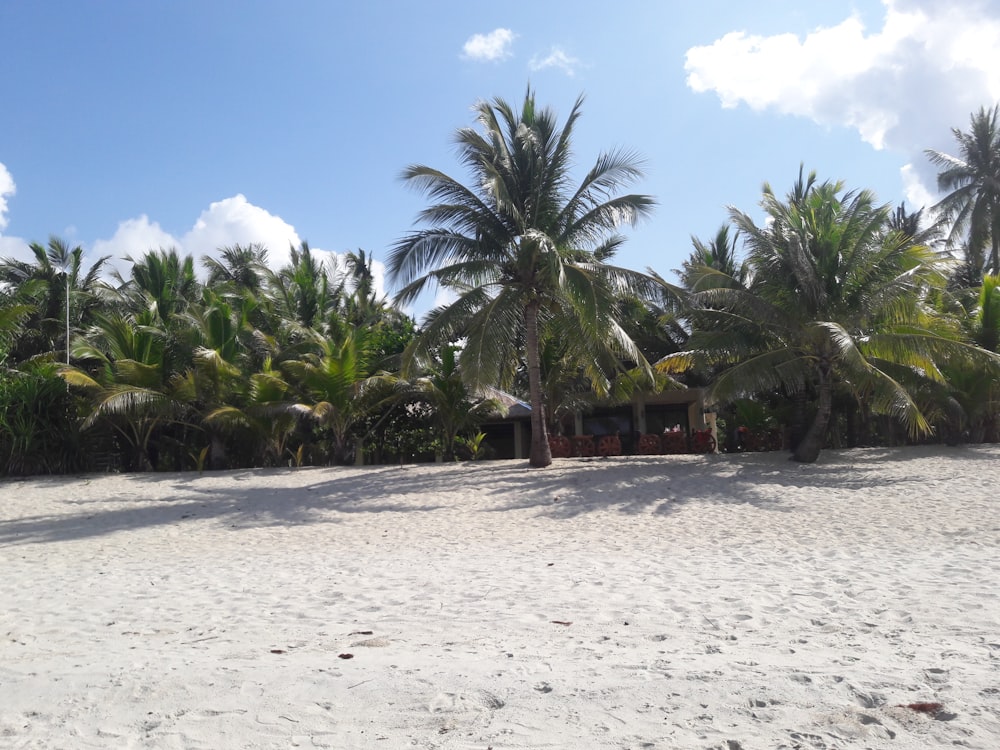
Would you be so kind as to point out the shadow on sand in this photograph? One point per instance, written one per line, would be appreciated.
(657, 485)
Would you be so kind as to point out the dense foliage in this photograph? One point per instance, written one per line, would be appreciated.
(835, 321)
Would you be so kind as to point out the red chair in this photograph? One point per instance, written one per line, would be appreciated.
(674, 441)
(560, 447)
(649, 445)
(702, 442)
(583, 445)
(609, 445)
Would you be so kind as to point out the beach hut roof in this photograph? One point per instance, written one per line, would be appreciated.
(511, 406)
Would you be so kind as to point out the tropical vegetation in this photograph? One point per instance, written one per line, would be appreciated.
(835, 321)
(831, 297)
(524, 251)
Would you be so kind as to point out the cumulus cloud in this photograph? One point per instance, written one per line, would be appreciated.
(231, 221)
(10, 247)
(902, 86)
(235, 221)
(489, 47)
(133, 237)
(557, 58)
(916, 193)
(7, 189)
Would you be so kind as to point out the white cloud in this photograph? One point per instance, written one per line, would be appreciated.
(7, 189)
(10, 247)
(15, 247)
(231, 221)
(133, 237)
(901, 87)
(916, 193)
(489, 47)
(555, 59)
(235, 220)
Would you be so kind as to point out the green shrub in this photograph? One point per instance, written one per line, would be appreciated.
(38, 423)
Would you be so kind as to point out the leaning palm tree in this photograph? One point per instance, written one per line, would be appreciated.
(836, 300)
(521, 250)
(972, 182)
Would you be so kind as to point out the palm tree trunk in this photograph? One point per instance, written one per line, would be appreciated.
(995, 254)
(797, 428)
(540, 454)
(808, 449)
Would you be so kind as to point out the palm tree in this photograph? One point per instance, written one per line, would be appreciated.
(986, 317)
(264, 418)
(836, 298)
(362, 277)
(522, 249)
(336, 386)
(303, 290)
(239, 266)
(162, 282)
(713, 261)
(62, 296)
(454, 408)
(132, 383)
(972, 182)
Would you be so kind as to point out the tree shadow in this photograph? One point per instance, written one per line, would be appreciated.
(629, 485)
(242, 506)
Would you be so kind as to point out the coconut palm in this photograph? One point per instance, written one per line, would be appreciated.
(240, 266)
(131, 381)
(336, 386)
(454, 409)
(362, 300)
(303, 290)
(61, 293)
(263, 419)
(836, 299)
(972, 183)
(521, 250)
(713, 262)
(162, 282)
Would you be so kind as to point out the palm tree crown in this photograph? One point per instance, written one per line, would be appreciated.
(972, 182)
(522, 248)
(835, 297)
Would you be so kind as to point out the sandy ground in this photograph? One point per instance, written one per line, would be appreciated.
(724, 602)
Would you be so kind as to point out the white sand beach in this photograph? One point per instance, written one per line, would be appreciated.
(726, 602)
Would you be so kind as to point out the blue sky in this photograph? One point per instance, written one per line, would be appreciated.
(126, 126)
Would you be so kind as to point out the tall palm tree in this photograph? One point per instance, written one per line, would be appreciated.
(362, 278)
(522, 249)
(972, 182)
(836, 299)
